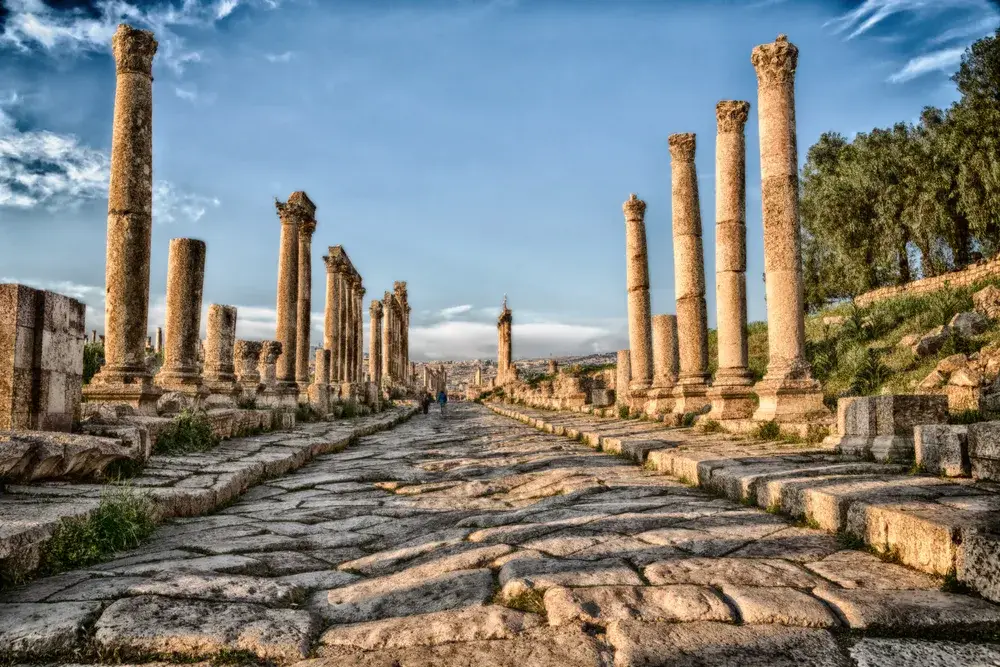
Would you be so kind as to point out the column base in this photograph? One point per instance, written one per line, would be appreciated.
(188, 383)
(319, 397)
(790, 400)
(731, 402)
(280, 397)
(659, 400)
(140, 395)
(222, 385)
(690, 397)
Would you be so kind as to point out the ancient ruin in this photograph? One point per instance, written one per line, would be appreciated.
(185, 278)
(637, 287)
(506, 371)
(219, 375)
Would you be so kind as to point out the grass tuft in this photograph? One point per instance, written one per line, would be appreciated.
(529, 600)
(711, 426)
(767, 431)
(189, 432)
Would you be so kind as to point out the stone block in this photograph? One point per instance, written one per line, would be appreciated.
(41, 359)
(942, 449)
(882, 426)
(984, 440)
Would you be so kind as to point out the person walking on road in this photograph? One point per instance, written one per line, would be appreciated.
(425, 401)
(442, 400)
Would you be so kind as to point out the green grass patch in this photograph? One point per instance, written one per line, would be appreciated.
(767, 431)
(687, 419)
(529, 600)
(966, 417)
(123, 520)
(93, 359)
(189, 432)
(306, 413)
(851, 541)
(711, 426)
(623, 412)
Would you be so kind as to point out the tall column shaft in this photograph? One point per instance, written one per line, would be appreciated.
(640, 337)
(387, 336)
(288, 296)
(185, 280)
(322, 371)
(331, 315)
(375, 341)
(788, 392)
(303, 323)
(130, 205)
(623, 377)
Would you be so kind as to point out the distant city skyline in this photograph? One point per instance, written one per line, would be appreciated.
(470, 148)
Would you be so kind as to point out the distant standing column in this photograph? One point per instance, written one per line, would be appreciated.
(331, 314)
(220, 372)
(788, 391)
(689, 277)
(504, 351)
(386, 336)
(731, 391)
(185, 279)
(124, 377)
(288, 292)
(303, 324)
(637, 284)
(158, 341)
(270, 352)
(343, 303)
(375, 342)
(360, 328)
(246, 359)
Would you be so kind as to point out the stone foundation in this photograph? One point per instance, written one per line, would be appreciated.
(41, 359)
(882, 426)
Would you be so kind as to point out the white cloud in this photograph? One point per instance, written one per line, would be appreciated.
(941, 60)
(186, 94)
(870, 13)
(455, 310)
(477, 340)
(279, 57)
(33, 23)
(39, 168)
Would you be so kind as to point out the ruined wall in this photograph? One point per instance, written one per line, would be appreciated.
(987, 268)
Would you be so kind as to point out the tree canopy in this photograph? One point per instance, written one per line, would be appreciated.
(910, 201)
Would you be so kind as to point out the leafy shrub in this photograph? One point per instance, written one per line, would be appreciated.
(189, 432)
(623, 412)
(93, 359)
(711, 426)
(870, 375)
(306, 413)
(767, 431)
(123, 520)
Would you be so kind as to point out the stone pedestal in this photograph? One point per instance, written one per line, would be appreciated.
(731, 393)
(124, 378)
(882, 426)
(689, 278)
(637, 285)
(247, 362)
(41, 359)
(185, 279)
(274, 393)
(220, 372)
(788, 393)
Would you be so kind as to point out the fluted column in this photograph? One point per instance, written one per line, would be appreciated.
(220, 372)
(124, 377)
(375, 341)
(788, 392)
(303, 316)
(637, 286)
(185, 280)
(689, 277)
(731, 392)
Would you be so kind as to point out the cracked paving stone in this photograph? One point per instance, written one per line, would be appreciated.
(738, 571)
(910, 610)
(856, 569)
(601, 605)
(785, 606)
(871, 652)
(233, 588)
(518, 576)
(151, 624)
(39, 629)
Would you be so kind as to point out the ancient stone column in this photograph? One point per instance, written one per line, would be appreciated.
(479, 377)
(291, 215)
(331, 314)
(788, 391)
(353, 346)
(303, 324)
(270, 352)
(158, 341)
(623, 377)
(665, 355)
(637, 283)
(361, 332)
(220, 372)
(319, 389)
(505, 351)
(731, 392)
(343, 305)
(246, 359)
(93, 335)
(387, 336)
(185, 279)
(375, 341)
(689, 277)
(124, 378)
(553, 367)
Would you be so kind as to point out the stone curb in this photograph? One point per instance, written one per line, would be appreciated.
(879, 504)
(232, 473)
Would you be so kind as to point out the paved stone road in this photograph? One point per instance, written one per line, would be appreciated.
(475, 540)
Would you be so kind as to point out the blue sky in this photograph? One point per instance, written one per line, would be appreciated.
(469, 147)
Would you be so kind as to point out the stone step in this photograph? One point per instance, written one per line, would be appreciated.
(945, 527)
(179, 485)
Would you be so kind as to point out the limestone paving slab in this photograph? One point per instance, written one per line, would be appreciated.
(876, 652)
(600, 605)
(39, 629)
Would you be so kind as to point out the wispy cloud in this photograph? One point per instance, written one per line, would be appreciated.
(34, 24)
(283, 57)
(942, 60)
(478, 340)
(871, 13)
(455, 310)
(40, 168)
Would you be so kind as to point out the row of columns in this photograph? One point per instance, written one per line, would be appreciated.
(395, 334)
(343, 329)
(669, 356)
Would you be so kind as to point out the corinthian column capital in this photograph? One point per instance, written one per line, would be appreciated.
(775, 62)
(682, 146)
(133, 50)
(634, 209)
(731, 115)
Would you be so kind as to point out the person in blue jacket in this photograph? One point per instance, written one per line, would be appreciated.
(442, 399)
